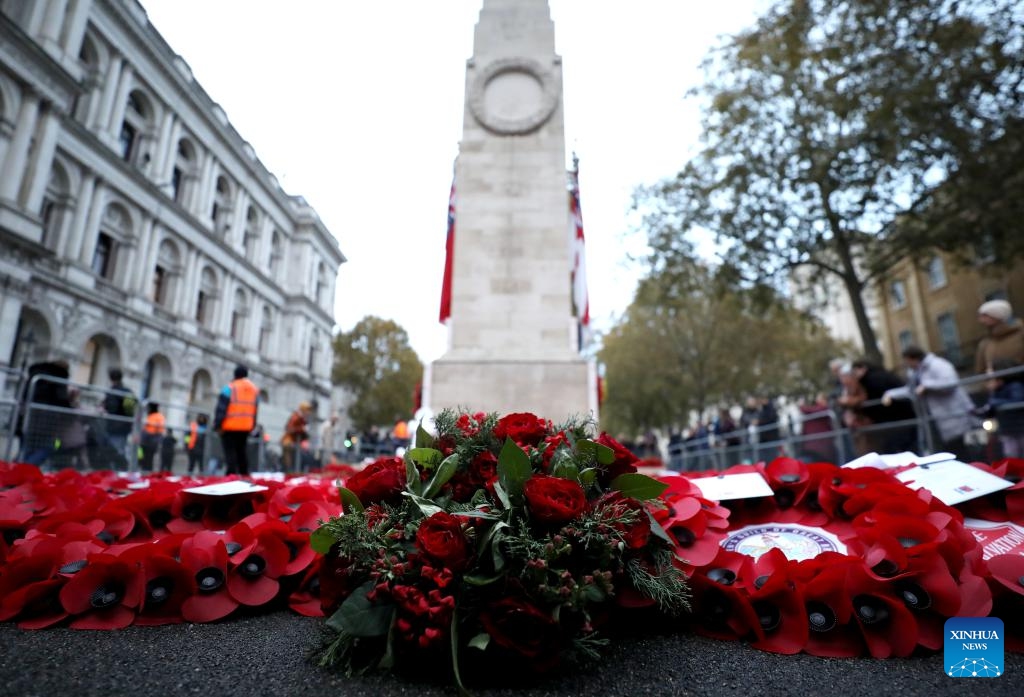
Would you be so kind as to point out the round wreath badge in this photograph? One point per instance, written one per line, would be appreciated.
(838, 562)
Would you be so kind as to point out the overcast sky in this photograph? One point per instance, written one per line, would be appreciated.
(357, 106)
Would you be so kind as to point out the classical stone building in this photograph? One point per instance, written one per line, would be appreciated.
(138, 228)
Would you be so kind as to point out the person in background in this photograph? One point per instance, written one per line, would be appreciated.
(119, 403)
(295, 432)
(153, 430)
(73, 436)
(935, 381)
(235, 418)
(1006, 405)
(1005, 336)
(817, 440)
(767, 430)
(875, 381)
(400, 434)
(196, 443)
(42, 404)
(328, 438)
(167, 446)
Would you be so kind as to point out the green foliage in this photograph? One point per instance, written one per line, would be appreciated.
(828, 124)
(375, 362)
(694, 340)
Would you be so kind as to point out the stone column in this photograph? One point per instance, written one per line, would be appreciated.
(42, 164)
(74, 28)
(143, 276)
(10, 313)
(185, 296)
(162, 149)
(124, 88)
(110, 83)
(49, 33)
(13, 170)
(92, 227)
(69, 247)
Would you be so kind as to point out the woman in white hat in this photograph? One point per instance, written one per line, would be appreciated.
(1005, 336)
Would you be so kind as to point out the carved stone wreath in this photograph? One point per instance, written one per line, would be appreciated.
(535, 115)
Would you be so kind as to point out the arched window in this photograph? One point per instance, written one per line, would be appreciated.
(321, 284)
(99, 355)
(206, 298)
(239, 313)
(156, 378)
(251, 237)
(89, 57)
(56, 206)
(276, 252)
(135, 128)
(201, 391)
(266, 327)
(220, 212)
(165, 273)
(115, 232)
(184, 170)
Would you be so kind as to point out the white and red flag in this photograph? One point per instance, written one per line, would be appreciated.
(580, 297)
(449, 259)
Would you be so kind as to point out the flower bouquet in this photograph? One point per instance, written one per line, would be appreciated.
(508, 542)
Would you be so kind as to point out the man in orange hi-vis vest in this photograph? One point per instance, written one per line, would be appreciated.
(153, 429)
(235, 419)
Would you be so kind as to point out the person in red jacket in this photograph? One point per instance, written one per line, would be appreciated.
(235, 419)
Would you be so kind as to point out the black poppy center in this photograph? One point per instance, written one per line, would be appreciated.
(73, 567)
(820, 617)
(908, 542)
(760, 581)
(915, 597)
(1021, 580)
(768, 615)
(789, 478)
(105, 537)
(717, 607)
(870, 610)
(192, 512)
(253, 566)
(293, 551)
(233, 548)
(684, 536)
(13, 534)
(209, 579)
(159, 590)
(784, 498)
(159, 517)
(726, 577)
(886, 568)
(107, 595)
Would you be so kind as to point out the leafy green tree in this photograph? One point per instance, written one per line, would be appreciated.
(694, 339)
(375, 362)
(828, 123)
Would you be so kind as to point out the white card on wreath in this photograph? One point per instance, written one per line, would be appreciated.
(745, 485)
(232, 488)
(952, 481)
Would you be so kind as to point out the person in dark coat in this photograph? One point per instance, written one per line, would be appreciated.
(902, 434)
(42, 419)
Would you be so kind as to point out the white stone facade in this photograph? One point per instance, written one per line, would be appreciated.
(512, 343)
(138, 228)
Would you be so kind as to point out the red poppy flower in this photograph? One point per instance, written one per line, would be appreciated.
(29, 591)
(886, 623)
(168, 583)
(779, 604)
(829, 610)
(257, 559)
(103, 595)
(206, 557)
(790, 479)
(305, 599)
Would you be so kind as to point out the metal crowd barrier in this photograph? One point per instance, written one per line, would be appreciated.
(982, 442)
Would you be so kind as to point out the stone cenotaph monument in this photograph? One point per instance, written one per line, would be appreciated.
(512, 335)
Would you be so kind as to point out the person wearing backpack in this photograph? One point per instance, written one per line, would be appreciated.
(120, 402)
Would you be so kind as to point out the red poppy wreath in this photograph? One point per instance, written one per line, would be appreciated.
(837, 562)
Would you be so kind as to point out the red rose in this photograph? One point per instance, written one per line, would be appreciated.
(523, 628)
(484, 468)
(381, 480)
(440, 537)
(523, 428)
(554, 500)
(623, 463)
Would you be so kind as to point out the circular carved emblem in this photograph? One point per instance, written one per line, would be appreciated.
(797, 542)
(513, 96)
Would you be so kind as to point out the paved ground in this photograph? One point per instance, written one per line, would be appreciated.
(267, 655)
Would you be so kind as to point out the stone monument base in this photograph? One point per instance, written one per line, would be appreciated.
(551, 389)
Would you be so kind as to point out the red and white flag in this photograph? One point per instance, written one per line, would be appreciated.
(449, 259)
(580, 297)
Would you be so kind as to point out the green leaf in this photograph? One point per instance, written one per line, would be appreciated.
(638, 486)
(502, 495)
(659, 531)
(359, 617)
(588, 476)
(442, 475)
(423, 438)
(412, 477)
(426, 506)
(349, 501)
(497, 557)
(480, 580)
(480, 641)
(594, 594)
(566, 469)
(321, 541)
(601, 453)
(513, 468)
(428, 457)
